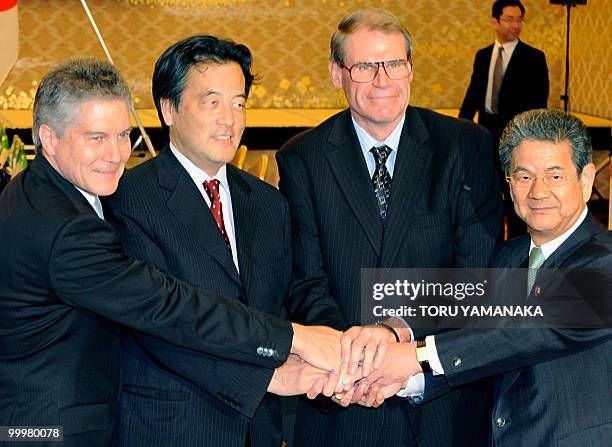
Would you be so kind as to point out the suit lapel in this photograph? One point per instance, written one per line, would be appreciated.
(187, 204)
(515, 60)
(41, 168)
(587, 229)
(351, 173)
(245, 220)
(411, 167)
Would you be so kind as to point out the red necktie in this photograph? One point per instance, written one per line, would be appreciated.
(212, 189)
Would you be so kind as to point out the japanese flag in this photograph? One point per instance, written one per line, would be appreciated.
(9, 37)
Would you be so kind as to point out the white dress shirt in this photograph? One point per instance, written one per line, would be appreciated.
(415, 385)
(367, 142)
(199, 176)
(506, 55)
(94, 201)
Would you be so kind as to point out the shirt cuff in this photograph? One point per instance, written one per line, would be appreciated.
(414, 388)
(432, 353)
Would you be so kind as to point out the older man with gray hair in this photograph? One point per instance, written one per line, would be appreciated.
(552, 385)
(66, 286)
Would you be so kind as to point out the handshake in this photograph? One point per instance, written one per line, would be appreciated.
(364, 365)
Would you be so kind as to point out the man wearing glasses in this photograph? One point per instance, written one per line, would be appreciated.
(384, 184)
(509, 77)
(552, 384)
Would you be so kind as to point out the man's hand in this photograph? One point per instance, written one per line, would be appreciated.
(367, 395)
(318, 345)
(399, 364)
(296, 376)
(366, 346)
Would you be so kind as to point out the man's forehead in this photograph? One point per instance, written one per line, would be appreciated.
(102, 111)
(542, 150)
(367, 40)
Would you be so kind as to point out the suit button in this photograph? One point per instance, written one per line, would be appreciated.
(456, 362)
(260, 351)
(500, 422)
(537, 291)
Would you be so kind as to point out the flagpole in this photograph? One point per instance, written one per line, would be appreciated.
(143, 132)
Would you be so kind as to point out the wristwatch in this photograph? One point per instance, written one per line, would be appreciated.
(422, 356)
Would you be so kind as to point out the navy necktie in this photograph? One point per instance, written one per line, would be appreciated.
(381, 180)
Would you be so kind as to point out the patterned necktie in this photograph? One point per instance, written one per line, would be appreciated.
(498, 77)
(212, 189)
(536, 259)
(381, 180)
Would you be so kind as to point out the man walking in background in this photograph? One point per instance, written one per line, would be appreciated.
(509, 77)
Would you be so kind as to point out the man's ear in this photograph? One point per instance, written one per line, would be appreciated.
(335, 73)
(48, 139)
(586, 181)
(167, 109)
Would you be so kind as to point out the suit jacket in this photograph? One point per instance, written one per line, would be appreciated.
(553, 385)
(200, 399)
(444, 211)
(524, 87)
(65, 283)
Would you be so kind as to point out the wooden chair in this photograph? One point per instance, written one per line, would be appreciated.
(273, 176)
(240, 157)
(259, 168)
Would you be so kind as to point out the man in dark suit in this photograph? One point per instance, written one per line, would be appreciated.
(66, 285)
(237, 244)
(509, 77)
(384, 184)
(552, 385)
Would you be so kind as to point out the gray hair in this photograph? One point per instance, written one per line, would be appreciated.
(69, 84)
(371, 19)
(547, 125)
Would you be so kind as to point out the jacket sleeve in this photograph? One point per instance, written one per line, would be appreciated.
(88, 270)
(238, 384)
(474, 96)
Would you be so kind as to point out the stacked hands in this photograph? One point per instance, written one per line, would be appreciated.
(364, 365)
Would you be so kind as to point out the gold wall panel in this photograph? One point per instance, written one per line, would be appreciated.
(591, 71)
(290, 38)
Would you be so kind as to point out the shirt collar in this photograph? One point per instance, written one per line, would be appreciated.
(198, 175)
(508, 46)
(92, 199)
(549, 247)
(367, 142)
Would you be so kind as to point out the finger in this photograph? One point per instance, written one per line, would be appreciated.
(380, 355)
(370, 397)
(361, 388)
(316, 388)
(346, 341)
(346, 399)
(380, 399)
(356, 355)
(368, 356)
(331, 383)
(375, 375)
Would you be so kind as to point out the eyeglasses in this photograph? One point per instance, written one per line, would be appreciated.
(363, 72)
(524, 180)
(518, 20)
